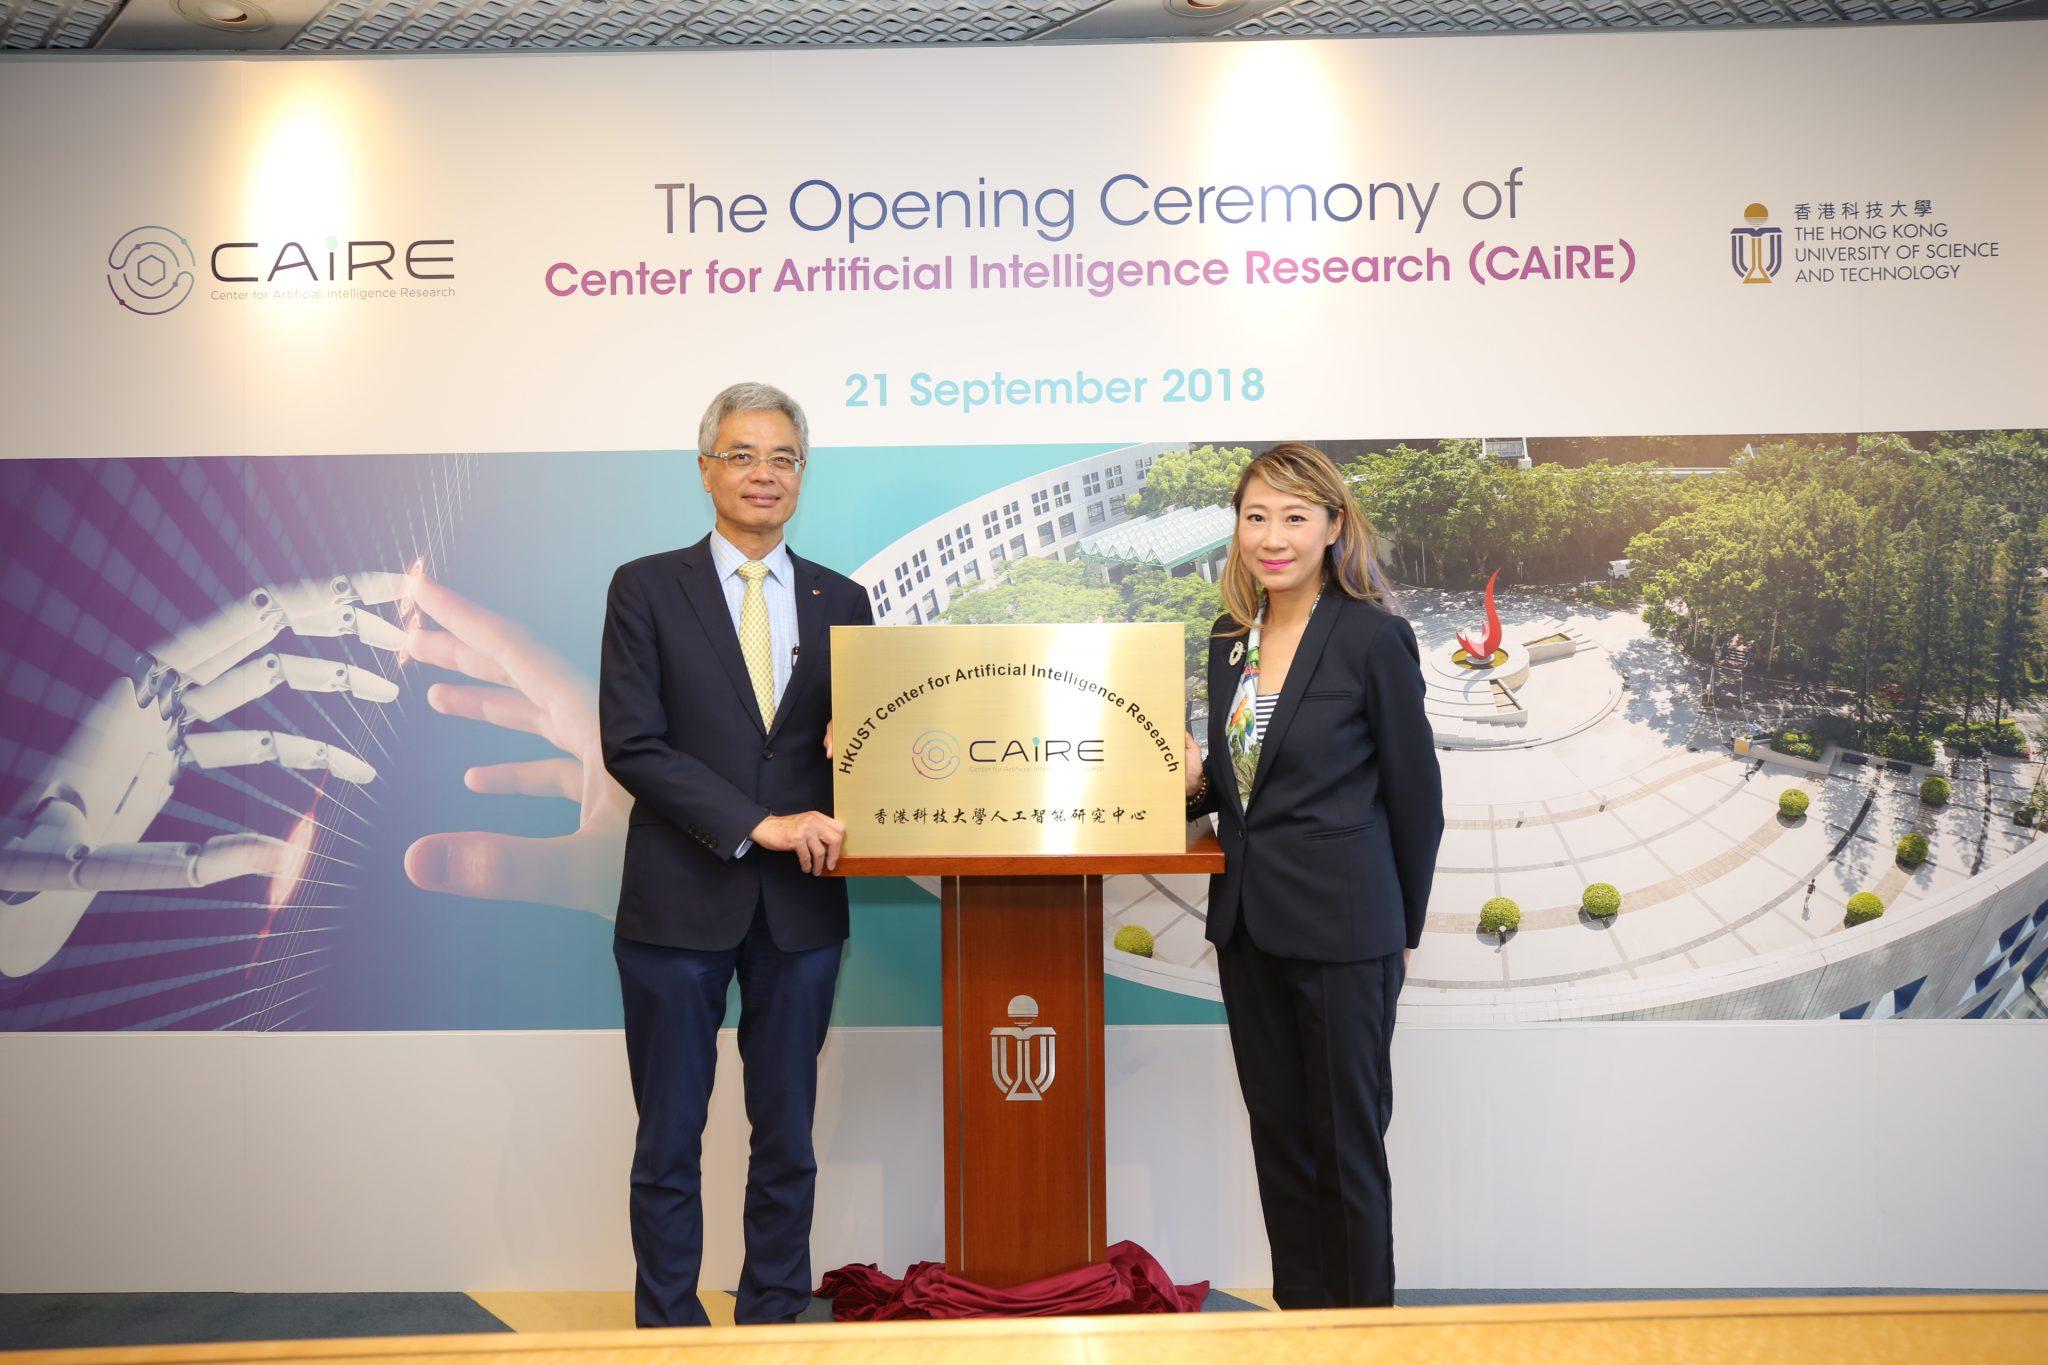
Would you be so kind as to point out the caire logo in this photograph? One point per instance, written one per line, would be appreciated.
(1035, 752)
(1756, 250)
(935, 754)
(150, 270)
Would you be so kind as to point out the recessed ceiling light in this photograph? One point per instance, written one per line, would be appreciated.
(1201, 9)
(240, 16)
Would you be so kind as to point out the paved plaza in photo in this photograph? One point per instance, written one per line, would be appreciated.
(1640, 790)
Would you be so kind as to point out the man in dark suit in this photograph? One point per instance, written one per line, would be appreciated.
(713, 699)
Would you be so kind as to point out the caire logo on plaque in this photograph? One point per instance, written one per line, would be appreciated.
(978, 740)
(1756, 250)
(935, 754)
(1020, 1057)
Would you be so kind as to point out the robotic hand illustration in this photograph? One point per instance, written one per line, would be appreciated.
(527, 687)
(79, 829)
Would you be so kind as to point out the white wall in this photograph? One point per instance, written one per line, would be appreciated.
(1591, 1155)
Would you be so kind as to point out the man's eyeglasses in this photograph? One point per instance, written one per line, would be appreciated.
(743, 460)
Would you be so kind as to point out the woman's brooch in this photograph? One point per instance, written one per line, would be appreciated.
(1237, 654)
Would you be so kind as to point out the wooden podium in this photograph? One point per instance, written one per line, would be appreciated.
(1025, 1191)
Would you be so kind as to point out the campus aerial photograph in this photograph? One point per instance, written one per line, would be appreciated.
(1761, 736)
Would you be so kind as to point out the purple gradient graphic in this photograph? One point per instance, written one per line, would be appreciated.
(105, 561)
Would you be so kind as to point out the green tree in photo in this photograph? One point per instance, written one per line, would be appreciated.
(1867, 632)
(1051, 591)
(1443, 505)
(1927, 616)
(1700, 574)
(2008, 469)
(1203, 476)
(1034, 591)
(1976, 606)
(1150, 594)
(2016, 649)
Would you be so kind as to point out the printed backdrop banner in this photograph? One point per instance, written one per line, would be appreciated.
(1400, 237)
(340, 387)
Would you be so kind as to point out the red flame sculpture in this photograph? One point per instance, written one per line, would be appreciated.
(1483, 651)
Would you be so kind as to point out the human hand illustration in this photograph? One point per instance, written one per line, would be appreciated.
(527, 687)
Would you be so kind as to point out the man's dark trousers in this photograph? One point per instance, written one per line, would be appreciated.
(675, 1000)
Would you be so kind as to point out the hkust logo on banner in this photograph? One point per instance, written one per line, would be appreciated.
(1757, 250)
(1865, 241)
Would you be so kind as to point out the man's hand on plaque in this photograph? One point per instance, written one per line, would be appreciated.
(830, 752)
(813, 836)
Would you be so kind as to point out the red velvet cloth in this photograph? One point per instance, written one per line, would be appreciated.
(1129, 1281)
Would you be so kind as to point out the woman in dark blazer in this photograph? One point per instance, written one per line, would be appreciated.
(1323, 775)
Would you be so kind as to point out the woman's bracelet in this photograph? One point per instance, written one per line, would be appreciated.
(1199, 792)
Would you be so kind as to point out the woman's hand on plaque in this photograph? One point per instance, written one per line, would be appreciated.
(1191, 763)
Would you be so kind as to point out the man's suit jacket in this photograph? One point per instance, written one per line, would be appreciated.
(682, 733)
(1334, 861)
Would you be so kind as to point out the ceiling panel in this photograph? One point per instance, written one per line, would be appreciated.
(53, 23)
(440, 25)
(1305, 18)
(573, 25)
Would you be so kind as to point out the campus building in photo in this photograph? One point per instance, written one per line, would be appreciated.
(1180, 540)
(1047, 516)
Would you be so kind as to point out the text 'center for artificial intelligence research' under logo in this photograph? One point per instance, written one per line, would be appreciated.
(150, 270)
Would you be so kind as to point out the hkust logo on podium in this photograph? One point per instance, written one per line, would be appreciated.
(1020, 1056)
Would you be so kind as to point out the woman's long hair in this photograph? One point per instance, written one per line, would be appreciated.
(1351, 563)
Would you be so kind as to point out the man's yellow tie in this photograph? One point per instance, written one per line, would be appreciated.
(756, 646)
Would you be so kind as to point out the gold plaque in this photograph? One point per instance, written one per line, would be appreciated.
(1009, 739)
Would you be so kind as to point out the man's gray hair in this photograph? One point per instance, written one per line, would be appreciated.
(751, 397)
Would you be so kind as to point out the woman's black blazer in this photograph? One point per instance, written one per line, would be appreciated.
(1334, 861)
